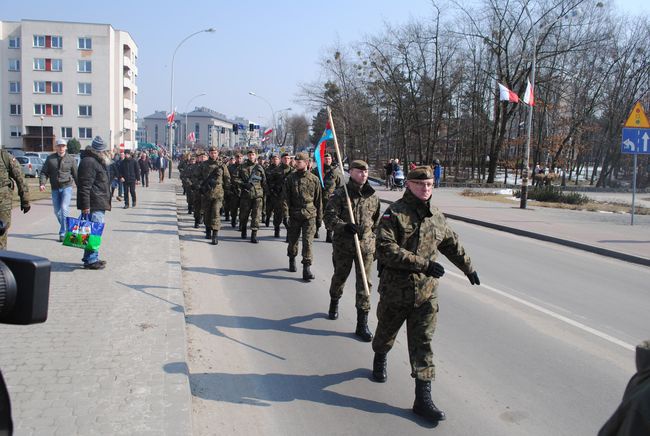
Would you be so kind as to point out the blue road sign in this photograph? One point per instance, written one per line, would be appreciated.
(635, 141)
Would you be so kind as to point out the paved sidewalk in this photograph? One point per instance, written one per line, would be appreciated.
(603, 233)
(111, 358)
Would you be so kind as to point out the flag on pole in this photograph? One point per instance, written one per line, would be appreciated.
(191, 137)
(529, 96)
(507, 95)
(319, 152)
(266, 138)
(267, 132)
(170, 118)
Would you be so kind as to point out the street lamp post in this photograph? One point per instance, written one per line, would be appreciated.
(187, 108)
(526, 169)
(272, 114)
(171, 94)
(42, 140)
(281, 117)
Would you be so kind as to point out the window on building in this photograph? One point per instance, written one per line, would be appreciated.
(14, 87)
(14, 109)
(85, 133)
(57, 110)
(57, 87)
(85, 88)
(85, 111)
(14, 42)
(57, 42)
(16, 131)
(66, 132)
(57, 65)
(39, 87)
(197, 130)
(39, 109)
(155, 134)
(39, 64)
(14, 64)
(39, 41)
(84, 66)
(84, 43)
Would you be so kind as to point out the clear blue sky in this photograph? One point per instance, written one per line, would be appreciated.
(264, 46)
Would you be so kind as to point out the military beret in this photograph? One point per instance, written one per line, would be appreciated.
(285, 155)
(200, 152)
(301, 156)
(213, 148)
(420, 173)
(251, 151)
(327, 155)
(274, 155)
(238, 154)
(359, 164)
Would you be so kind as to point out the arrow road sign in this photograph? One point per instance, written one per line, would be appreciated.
(635, 141)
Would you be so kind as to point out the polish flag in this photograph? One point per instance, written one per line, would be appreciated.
(191, 137)
(170, 118)
(267, 132)
(507, 95)
(529, 96)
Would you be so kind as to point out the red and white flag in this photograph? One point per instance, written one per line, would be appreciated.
(507, 95)
(191, 137)
(267, 132)
(266, 138)
(170, 118)
(529, 96)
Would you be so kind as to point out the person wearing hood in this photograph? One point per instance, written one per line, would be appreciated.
(366, 209)
(632, 417)
(411, 234)
(94, 191)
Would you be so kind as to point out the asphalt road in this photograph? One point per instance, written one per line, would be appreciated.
(544, 346)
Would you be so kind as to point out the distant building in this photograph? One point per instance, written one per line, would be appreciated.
(64, 80)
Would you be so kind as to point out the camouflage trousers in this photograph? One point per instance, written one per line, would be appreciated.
(342, 266)
(211, 216)
(252, 207)
(234, 207)
(274, 206)
(308, 228)
(189, 196)
(420, 325)
(5, 216)
(198, 205)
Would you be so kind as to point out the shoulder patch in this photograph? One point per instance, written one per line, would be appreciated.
(387, 214)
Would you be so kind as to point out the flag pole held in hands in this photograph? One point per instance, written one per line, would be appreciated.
(347, 198)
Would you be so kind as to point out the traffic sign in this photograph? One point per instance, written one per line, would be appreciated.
(635, 141)
(638, 118)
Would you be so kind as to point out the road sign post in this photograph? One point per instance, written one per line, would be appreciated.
(635, 141)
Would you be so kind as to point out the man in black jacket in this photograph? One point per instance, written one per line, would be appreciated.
(61, 169)
(129, 175)
(94, 191)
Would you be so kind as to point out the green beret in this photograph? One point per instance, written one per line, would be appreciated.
(301, 156)
(420, 173)
(238, 154)
(285, 155)
(327, 155)
(251, 151)
(213, 148)
(200, 152)
(359, 164)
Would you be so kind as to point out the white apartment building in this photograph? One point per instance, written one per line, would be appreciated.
(64, 79)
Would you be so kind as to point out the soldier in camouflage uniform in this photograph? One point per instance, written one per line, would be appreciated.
(215, 181)
(302, 205)
(182, 166)
(274, 162)
(195, 179)
(235, 188)
(10, 174)
(252, 181)
(275, 177)
(332, 180)
(227, 196)
(410, 235)
(365, 204)
(185, 175)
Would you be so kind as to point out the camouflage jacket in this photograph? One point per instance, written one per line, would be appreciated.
(301, 196)
(366, 208)
(331, 179)
(252, 180)
(412, 232)
(11, 172)
(275, 176)
(215, 179)
(235, 182)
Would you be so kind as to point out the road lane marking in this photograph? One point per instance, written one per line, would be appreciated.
(552, 314)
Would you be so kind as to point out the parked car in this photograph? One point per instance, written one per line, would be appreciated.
(31, 165)
(15, 151)
(43, 155)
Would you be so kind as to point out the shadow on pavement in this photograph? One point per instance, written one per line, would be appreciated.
(265, 389)
(141, 288)
(67, 266)
(257, 273)
(160, 232)
(622, 241)
(38, 236)
(158, 223)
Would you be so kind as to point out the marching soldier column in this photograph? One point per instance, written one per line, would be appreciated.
(276, 174)
(332, 180)
(252, 181)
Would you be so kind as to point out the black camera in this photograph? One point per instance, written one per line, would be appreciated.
(24, 288)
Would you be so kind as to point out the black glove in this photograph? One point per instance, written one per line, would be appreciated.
(25, 207)
(435, 270)
(473, 278)
(352, 229)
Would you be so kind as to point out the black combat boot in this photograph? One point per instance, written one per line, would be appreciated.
(244, 234)
(233, 222)
(190, 209)
(227, 215)
(196, 223)
(334, 309)
(264, 219)
(208, 233)
(276, 234)
(268, 220)
(379, 368)
(254, 236)
(328, 237)
(292, 264)
(423, 405)
(362, 326)
(316, 235)
(307, 275)
(215, 238)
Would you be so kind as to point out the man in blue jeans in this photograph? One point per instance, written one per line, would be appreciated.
(94, 192)
(61, 169)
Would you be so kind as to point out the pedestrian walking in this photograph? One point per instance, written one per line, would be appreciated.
(61, 169)
(252, 180)
(114, 172)
(366, 210)
(129, 171)
(145, 167)
(411, 234)
(10, 174)
(388, 168)
(302, 206)
(93, 192)
(215, 181)
(437, 172)
(161, 165)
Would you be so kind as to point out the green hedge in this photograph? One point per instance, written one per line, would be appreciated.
(554, 195)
